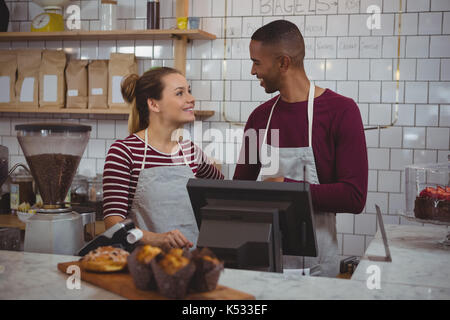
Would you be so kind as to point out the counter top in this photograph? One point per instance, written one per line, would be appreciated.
(25, 275)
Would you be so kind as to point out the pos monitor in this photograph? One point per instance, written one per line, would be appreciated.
(251, 224)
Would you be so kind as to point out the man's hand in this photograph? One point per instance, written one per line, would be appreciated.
(275, 179)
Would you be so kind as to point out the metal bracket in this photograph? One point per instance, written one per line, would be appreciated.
(388, 257)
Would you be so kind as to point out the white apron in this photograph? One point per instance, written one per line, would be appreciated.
(299, 164)
(161, 202)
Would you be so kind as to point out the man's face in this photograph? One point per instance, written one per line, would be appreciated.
(265, 66)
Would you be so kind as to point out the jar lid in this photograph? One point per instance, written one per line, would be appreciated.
(21, 176)
(109, 1)
(55, 127)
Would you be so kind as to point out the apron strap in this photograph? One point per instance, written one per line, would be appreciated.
(268, 121)
(145, 149)
(310, 112)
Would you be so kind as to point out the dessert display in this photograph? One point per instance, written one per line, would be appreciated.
(105, 259)
(433, 204)
(140, 268)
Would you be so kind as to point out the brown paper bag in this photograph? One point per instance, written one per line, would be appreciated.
(27, 85)
(51, 79)
(98, 84)
(120, 65)
(77, 84)
(8, 68)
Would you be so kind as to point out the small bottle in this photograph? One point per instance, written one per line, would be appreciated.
(152, 14)
(108, 14)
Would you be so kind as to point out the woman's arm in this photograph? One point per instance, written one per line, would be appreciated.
(206, 167)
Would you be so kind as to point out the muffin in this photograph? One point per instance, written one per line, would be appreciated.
(173, 273)
(207, 270)
(139, 264)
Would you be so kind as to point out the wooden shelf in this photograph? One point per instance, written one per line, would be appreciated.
(108, 35)
(198, 113)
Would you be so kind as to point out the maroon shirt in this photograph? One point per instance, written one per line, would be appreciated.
(338, 142)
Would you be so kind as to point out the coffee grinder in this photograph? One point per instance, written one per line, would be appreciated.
(53, 152)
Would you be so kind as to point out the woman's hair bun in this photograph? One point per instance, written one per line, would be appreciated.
(128, 87)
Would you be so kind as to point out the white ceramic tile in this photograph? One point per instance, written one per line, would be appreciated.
(213, 25)
(336, 69)
(125, 9)
(416, 92)
(445, 69)
(443, 155)
(96, 147)
(100, 165)
(258, 92)
(246, 67)
(163, 49)
(326, 47)
(427, 115)
(89, 10)
(202, 8)
(337, 25)
(369, 91)
(239, 48)
(211, 69)
(87, 167)
(105, 48)
(424, 156)
(386, 26)
(365, 224)
(315, 69)
(315, 26)
(144, 48)
(417, 46)
(217, 89)
(218, 51)
(370, 47)
(5, 126)
(141, 9)
(18, 11)
(348, 47)
(430, 22)
(440, 5)
(378, 158)
(389, 181)
(439, 46)
(438, 138)
(390, 93)
(12, 144)
(106, 129)
(407, 69)
(247, 108)
(310, 47)
(390, 47)
(89, 49)
(231, 69)
(72, 49)
(428, 69)
(409, 24)
(135, 24)
(376, 198)
(126, 46)
(218, 8)
(250, 25)
(365, 4)
(193, 69)
(353, 245)
(372, 183)
(345, 6)
(240, 90)
(413, 137)
(400, 158)
(418, 5)
(358, 25)
(446, 23)
(364, 110)
(344, 222)
(201, 90)
(444, 116)
(358, 69)
(381, 69)
(406, 114)
(242, 8)
(439, 92)
(379, 114)
(348, 89)
(234, 27)
(262, 8)
(391, 137)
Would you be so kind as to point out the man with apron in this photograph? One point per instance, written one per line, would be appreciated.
(321, 140)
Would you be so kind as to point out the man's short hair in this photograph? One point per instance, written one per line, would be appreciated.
(284, 35)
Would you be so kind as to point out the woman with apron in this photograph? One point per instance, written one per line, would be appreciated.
(145, 174)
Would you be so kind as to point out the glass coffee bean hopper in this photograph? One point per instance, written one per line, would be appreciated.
(427, 193)
(53, 152)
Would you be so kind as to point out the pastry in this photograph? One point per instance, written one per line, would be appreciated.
(207, 270)
(433, 204)
(105, 259)
(140, 268)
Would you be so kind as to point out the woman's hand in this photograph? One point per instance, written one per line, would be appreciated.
(167, 240)
(275, 179)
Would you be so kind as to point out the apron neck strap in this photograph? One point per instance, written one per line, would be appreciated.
(310, 112)
(270, 117)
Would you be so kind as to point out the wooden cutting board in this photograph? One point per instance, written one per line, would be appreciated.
(122, 284)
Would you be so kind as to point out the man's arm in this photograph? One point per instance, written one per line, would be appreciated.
(248, 166)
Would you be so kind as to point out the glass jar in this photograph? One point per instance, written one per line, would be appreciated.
(108, 15)
(22, 190)
(79, 190)
(96, 195)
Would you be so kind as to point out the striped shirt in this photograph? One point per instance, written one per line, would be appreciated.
(123, 164)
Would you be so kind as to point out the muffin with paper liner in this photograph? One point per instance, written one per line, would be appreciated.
(207, 270)
(173, 273)
(139, 264)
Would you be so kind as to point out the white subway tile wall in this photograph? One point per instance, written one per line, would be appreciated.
(342, 53)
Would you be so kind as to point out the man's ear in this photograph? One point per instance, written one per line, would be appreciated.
(153, 106)
(284, 63)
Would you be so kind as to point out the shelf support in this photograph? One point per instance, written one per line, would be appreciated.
(180, 42)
